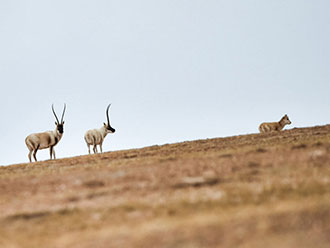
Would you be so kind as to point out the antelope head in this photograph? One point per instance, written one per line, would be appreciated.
(107, 126)
(285, 120)
(59, 125)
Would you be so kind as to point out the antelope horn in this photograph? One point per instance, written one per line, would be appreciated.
(55, 114)
(107, 112)
(63, 113)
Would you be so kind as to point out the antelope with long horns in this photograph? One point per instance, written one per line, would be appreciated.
(267, 127)
(96, 137)
(49, 139)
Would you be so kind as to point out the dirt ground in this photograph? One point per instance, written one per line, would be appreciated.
(259, 190)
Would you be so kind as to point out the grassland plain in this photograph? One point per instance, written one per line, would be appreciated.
(259, 190)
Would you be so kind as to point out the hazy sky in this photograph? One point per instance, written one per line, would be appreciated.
(173, 70)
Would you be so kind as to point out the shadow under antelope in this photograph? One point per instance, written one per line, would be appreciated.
(96, 137)
(267, 127)
(48, 139)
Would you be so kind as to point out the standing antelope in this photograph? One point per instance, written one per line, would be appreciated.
(274, 126)
(96, 137)
(44, 140)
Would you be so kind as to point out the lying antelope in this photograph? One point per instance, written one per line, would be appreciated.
(96, 137)
(49, 139)
(274, 126)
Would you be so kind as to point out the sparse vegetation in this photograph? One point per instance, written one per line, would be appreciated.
(259, 190)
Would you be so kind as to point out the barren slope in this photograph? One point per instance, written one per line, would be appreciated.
(260, 190)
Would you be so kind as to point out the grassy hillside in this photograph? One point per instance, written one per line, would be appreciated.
(259, 190)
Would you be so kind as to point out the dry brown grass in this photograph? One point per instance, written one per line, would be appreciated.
(260, 190)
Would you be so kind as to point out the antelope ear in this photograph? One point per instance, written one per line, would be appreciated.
(55, 123)
(63, 123)
(104, 124)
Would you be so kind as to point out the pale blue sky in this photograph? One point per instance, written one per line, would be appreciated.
(173, 70)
